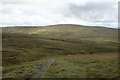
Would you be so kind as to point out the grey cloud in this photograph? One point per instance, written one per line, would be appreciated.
(46, 13)
(94, 11)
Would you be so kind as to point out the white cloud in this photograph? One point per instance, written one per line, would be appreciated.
(47, 12)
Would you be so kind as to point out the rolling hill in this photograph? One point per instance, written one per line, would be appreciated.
(29, 43)
(57, 39)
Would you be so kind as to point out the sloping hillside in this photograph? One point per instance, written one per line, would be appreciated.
(67, 31)
(20, 44)
(76, 48)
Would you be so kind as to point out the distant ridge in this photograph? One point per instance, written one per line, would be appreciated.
(75, 25)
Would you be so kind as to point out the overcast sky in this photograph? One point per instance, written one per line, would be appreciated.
(49, 12)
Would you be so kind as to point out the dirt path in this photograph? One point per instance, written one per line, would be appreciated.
(41, 70)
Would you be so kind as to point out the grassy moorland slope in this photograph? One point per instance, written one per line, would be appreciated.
(31, 45)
